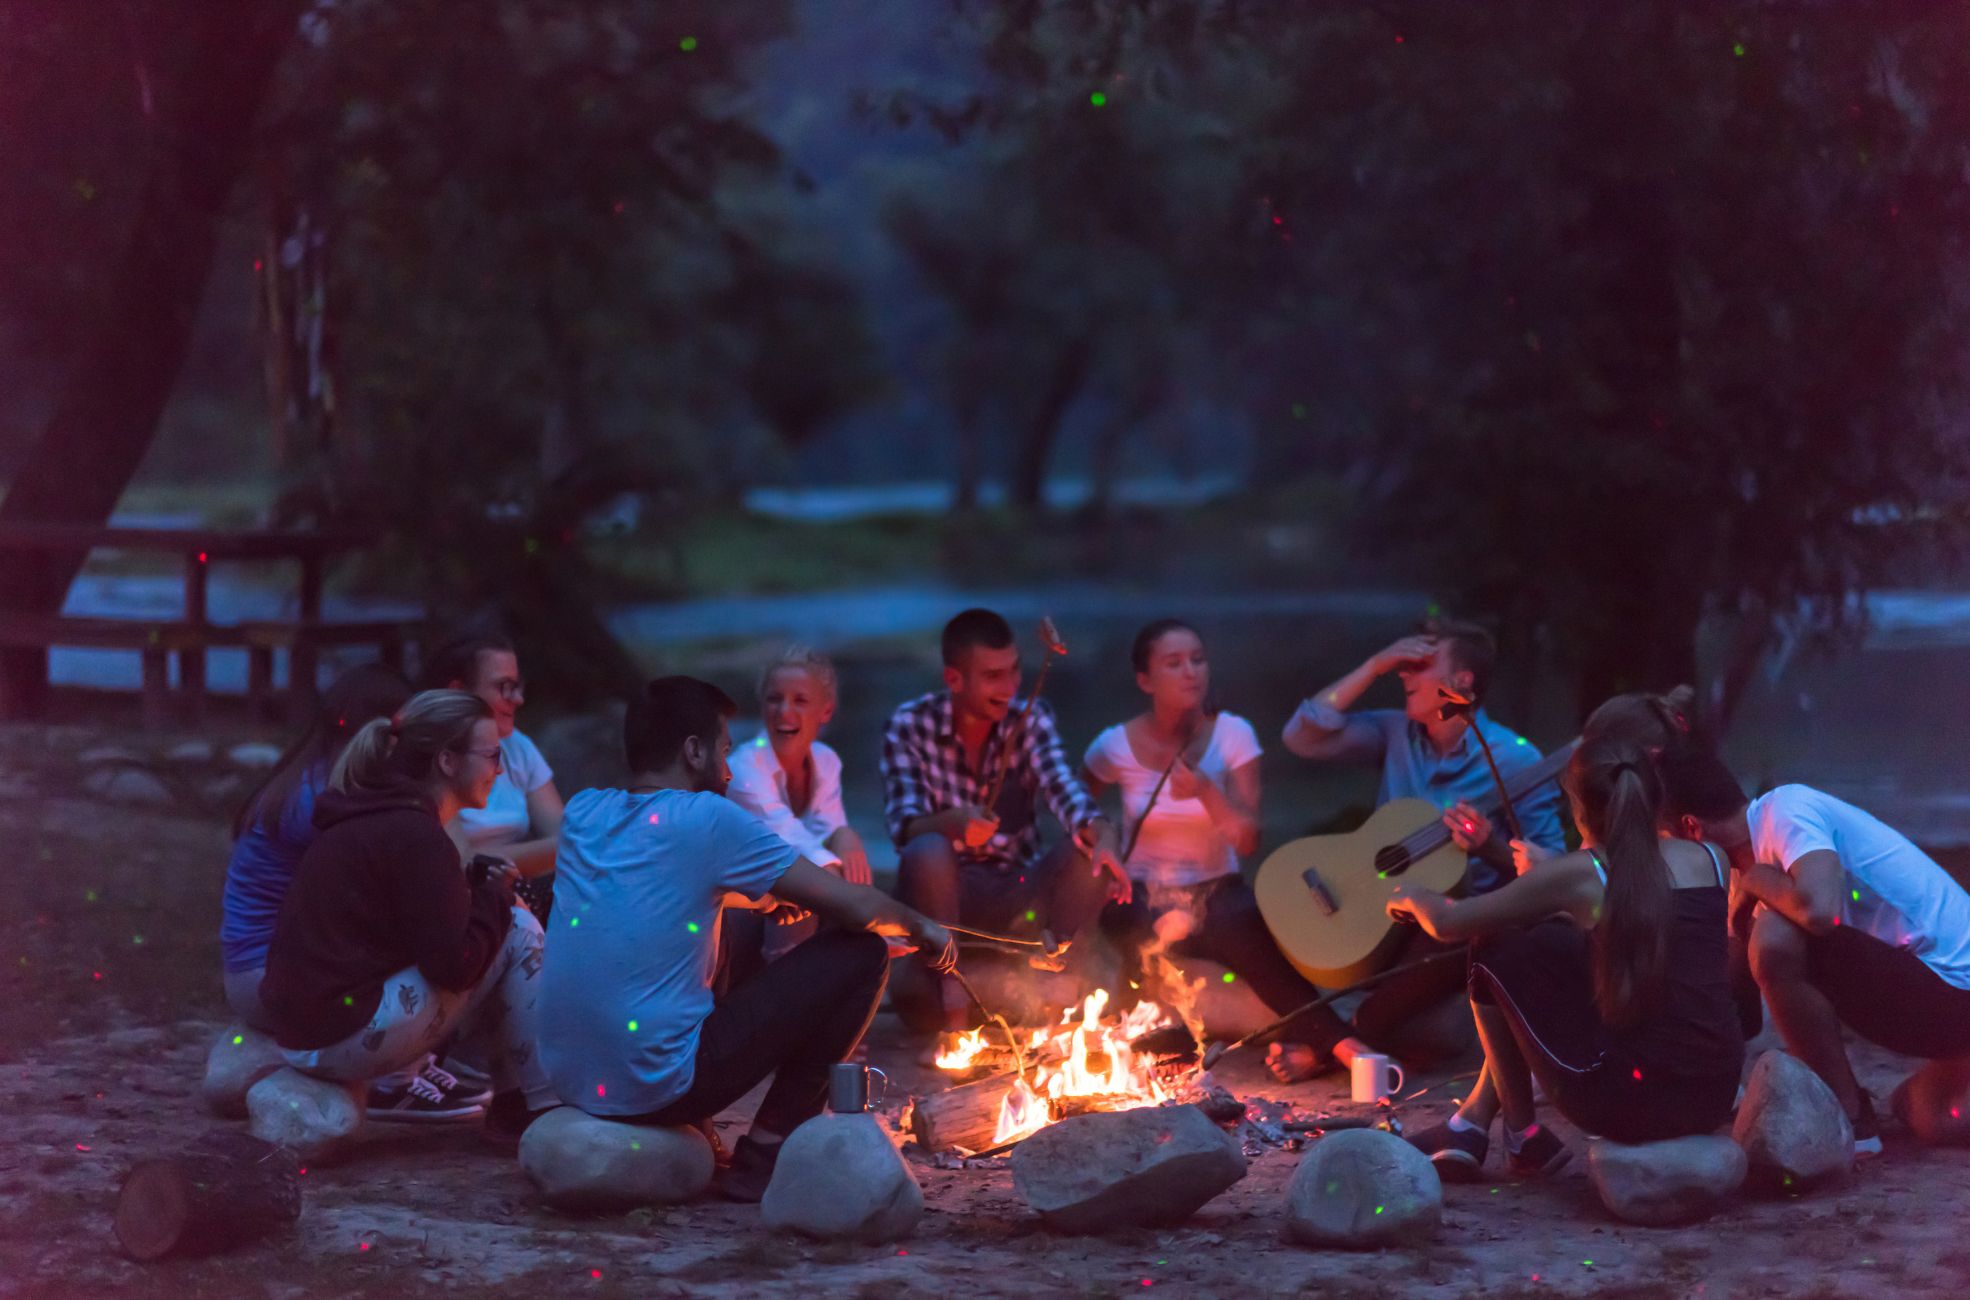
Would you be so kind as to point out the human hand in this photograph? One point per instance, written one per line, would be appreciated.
(854, 867)
(935, 941)
(1424, 907)
(1525, 854)
(1470, 828)
(785, 913)
(1409, 652)
(1186, 782)
(976, 826)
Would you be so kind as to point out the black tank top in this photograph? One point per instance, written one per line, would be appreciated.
(1693, 1031)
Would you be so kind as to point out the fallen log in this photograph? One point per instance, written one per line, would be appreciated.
(966, 1116)
(225, 1189)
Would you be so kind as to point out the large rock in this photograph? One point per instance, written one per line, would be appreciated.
(1661, 1183)
(239, 1058)
(580, 1162)
(1148, 1167)
(316, 1118)
(1436, 1035)
(1791, 1126)
(1363, 1188)
(839, 1176)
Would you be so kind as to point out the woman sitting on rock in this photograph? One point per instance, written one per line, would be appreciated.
(1603, 971)
(276, 823)
(521, 819)
(385, 946)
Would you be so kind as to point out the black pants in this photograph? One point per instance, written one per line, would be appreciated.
(794, 1019)
(1390, 1005)
(1888, 996)
(1229, 931)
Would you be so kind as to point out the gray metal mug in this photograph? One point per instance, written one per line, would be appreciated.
(848, 1088)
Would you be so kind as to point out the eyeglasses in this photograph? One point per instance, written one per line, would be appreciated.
(510, 688)
(497, 756)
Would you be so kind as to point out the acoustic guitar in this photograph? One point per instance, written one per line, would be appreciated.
(1322, 896)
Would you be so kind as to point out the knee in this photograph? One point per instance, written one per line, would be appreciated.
(1777, 950)
(525, 932)
(928, 855)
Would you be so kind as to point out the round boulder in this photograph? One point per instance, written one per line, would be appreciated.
(839, 1176)
(1150, 1167)
(581, 1162)
(316, 1118)
(1662, 1183)
(1791, 1126)
(1363, 1188)
(239, 1058)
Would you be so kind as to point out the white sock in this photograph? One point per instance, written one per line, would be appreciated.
(1513, 1141)
(1458, 1124)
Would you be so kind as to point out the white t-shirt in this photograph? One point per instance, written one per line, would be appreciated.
(504, 819)
(634, 939)
(1894, 891)
(1178, 845)
(760, 787)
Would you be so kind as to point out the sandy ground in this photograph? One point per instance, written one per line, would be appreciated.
(108, 1003)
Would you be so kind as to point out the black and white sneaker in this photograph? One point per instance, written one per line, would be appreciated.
(465, 1086)
(420, 1101)
(1457, 1155)
(1539, 1153)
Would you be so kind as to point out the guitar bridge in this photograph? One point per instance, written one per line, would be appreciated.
(1323, 897)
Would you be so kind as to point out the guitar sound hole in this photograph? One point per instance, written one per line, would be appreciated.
(1391, 861)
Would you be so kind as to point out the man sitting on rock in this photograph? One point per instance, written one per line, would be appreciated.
(628, 1028)
(1855, 926)
(944, 756)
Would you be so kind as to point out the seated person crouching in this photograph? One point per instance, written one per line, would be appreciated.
(384, 948)
(1620, 1003)
(629, 1030)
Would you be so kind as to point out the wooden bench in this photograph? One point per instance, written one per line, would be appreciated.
(191, 635)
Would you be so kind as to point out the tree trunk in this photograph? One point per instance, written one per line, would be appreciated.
(107, 412)
(225, 1189)
(1029, 470)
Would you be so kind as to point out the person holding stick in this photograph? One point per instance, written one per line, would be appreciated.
(964, 770)
(1188, 776)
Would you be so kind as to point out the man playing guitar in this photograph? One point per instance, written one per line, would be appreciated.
(1422, 755)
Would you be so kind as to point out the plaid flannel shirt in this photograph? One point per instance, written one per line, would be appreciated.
(924, 771)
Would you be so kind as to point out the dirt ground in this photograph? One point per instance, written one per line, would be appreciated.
(108, 1001)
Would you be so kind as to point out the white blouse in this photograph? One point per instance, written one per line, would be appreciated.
(1179, 844)
(760, 787)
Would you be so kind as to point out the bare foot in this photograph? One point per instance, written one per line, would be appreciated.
(1293, 1062)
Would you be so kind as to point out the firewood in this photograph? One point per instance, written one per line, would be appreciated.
(225, 1189)
(965, 1116)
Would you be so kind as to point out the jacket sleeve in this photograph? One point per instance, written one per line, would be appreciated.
(454, 930)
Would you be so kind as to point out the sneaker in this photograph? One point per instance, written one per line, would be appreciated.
(420, 1101)
(1458, 1155)
(508, 1118)
(1540, 1153)
(1867, 1129)
(751, 1169)
(466, 1086)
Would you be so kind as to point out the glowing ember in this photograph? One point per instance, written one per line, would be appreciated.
(1096, 1061)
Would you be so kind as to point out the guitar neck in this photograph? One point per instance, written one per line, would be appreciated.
(1434, 836)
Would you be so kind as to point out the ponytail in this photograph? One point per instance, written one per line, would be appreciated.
(1617, 797)
(387, 751)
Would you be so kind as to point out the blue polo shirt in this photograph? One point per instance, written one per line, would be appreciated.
(1413, 769)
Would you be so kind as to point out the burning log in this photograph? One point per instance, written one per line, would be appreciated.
(966, 1116)
(224, 1189)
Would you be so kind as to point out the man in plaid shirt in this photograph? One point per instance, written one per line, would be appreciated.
(987, 867)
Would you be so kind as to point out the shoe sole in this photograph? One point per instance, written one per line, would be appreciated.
(1457, 1167)
(424, 1116)
(1866, 1147)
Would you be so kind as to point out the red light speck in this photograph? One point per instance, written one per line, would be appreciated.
(201, 557)
(362, 1245)
(1638, 1076)
(98, 974)
(653, 819)
(902, 1252)
(596, 1272)
(600, 1091)
(81, 1146)
(1398, 39)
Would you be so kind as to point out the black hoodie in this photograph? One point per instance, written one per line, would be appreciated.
(380, 889)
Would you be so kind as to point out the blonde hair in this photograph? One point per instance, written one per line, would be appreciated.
(808, 660)
(406, 747)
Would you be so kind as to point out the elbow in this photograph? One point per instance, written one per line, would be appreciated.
(1245, 840)
(1821, 920)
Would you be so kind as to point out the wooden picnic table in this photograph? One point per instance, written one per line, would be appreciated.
(192, 633)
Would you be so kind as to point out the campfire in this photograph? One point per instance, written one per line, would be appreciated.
(1088, 1061)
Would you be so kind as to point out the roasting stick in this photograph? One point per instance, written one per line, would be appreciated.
(1217, 1051)
(1012, 1039)
(1050, 645)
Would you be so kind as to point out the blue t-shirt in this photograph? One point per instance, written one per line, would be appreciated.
(634, 941)
(257, 875)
